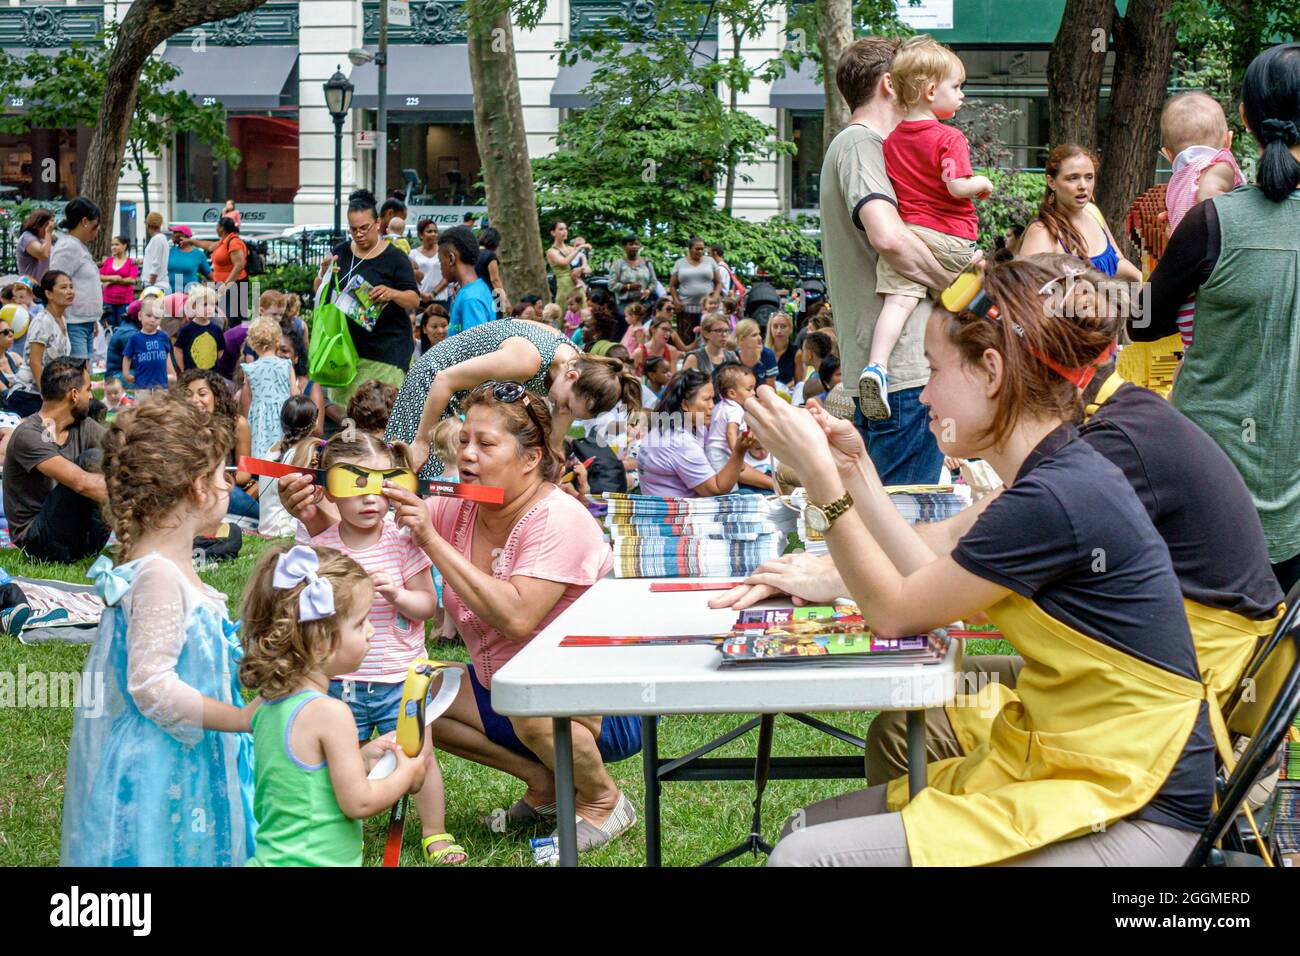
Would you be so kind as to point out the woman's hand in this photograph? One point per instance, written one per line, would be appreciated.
(847, 448)
(789, 433)
(807, 578)
(326, 265)
(300, 494)
(380, 293)
(411, 512)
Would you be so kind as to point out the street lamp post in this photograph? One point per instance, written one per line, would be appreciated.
(381, 115)
(338, 100)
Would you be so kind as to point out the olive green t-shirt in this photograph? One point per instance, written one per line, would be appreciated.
(853, 174)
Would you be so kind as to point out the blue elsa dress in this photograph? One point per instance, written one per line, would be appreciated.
(146, 785)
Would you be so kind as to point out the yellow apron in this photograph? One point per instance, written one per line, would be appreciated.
(1225, 643)
(1088, 737)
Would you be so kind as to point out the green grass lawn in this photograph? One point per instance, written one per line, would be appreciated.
(699, 819)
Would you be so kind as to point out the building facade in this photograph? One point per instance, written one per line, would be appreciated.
(267, 68)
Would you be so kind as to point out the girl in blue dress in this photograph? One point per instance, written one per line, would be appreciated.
(160, 763)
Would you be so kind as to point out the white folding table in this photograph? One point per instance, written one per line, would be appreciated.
(547, 680)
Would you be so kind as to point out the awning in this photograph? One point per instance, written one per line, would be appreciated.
(571, 81)
(799, 90)
(236, 77)
(419, 78)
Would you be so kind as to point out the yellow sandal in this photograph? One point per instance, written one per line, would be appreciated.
(438, 856)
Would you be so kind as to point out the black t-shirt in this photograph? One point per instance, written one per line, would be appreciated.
(485, 258)
(785, 365)
(200, 345)
(391, 341)
(1195, 498)
(1071, 535)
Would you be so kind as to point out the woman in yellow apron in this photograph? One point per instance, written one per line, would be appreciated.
(1105, 755)
(1201, 508)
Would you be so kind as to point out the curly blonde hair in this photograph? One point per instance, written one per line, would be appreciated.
(153, 454)
(279, 649)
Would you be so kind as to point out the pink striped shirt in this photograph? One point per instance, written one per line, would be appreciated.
(397, 640)
(1180, 197)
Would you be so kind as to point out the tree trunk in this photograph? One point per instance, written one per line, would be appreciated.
(834, 35)
(503, 148)
(1144, 49)
(730, 193)
(1074, 69)
(147, 24)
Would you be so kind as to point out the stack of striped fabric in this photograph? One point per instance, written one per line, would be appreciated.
(916, 503)
(725, 536)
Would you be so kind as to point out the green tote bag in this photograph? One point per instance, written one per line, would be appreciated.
(332, 358)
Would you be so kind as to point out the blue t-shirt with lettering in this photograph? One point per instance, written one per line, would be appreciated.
(148, 354)
(474, 305)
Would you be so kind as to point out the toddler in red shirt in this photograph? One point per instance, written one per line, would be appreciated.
(929, 167)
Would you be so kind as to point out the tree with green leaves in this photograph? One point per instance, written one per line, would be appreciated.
(502, 143)
(821, 30)
(65, 89)
(648, 154)
(146, 25)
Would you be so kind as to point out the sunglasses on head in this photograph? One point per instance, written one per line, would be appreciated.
(508, 393)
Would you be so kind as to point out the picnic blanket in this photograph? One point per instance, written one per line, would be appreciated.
(81, 602)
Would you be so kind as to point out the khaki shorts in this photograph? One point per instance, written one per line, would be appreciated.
(953, 252)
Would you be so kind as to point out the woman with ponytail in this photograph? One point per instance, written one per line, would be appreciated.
(1068, 221)
(1239, 254)
(539, 358)
(1103, 754)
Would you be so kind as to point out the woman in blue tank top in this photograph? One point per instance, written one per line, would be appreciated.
(1067, 217)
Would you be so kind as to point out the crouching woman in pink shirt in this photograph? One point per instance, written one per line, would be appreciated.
(508, 571)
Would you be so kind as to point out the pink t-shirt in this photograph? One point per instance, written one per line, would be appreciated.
(119, 294)
(1180, 197)
(557, 540)
(397, 640)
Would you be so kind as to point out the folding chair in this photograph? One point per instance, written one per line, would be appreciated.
(1263, 707)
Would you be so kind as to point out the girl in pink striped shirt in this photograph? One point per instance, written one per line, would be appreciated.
(404, 599)
(1197, 143)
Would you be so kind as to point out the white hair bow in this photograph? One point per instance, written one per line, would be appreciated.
(300, 564)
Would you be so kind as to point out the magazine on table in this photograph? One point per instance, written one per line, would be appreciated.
(821, 636)
(792, 636)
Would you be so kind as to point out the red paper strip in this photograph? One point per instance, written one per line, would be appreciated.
(669, 586)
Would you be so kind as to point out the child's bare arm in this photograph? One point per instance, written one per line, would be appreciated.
(733, 434)
(416, 601)
(970, 187)
(1215, 181)
(330, 722)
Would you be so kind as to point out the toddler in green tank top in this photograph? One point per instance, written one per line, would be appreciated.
(305, 619)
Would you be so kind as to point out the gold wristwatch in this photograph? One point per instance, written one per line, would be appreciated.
(821, 517)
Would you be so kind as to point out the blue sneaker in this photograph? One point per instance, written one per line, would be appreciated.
(13, 618)
(873, 392)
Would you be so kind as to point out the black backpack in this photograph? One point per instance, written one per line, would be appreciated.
(253, 264)
(606, 473)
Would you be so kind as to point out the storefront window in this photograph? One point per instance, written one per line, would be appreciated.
(806, 163)
(439, 161)
(40, 164)
(266, 175)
